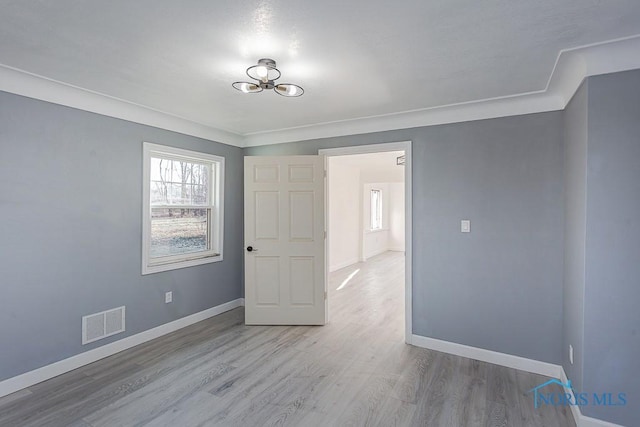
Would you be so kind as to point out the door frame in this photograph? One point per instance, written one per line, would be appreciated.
(379, 148)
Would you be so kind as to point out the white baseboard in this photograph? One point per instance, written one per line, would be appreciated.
(575, 410)
(593, 422)
(510, 361)
(344, 264)
(583, 420)
(502, 359)
(396, 249)
(374, 253)
(30, 378)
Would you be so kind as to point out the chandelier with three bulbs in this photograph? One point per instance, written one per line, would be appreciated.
(265, 75)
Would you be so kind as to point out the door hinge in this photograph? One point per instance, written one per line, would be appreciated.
(325, 235)
(325, 173)
(325, 295)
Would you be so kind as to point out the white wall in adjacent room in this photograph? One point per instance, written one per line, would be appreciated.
(396, 216)
(350, 180)
(344, 214)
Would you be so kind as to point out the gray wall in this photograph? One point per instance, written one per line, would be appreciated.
(499, 287)
(71, 200)
(71, 233)
(612, 291)
(575, 197)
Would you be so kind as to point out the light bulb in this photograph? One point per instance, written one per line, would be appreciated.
(244, 87)
(288, 89)
(262, 71)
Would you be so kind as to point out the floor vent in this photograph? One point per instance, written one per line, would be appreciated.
(101, 325)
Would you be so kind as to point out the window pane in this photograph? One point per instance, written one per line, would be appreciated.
(176, 182)
(376, 210)
(178, 231)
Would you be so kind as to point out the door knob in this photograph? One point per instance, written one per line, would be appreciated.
(251, 249)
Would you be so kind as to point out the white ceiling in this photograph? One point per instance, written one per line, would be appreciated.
(355, 59)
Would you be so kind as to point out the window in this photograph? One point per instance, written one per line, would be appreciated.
(376, 210)
(182, 209)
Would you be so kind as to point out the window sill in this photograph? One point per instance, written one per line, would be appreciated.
(376, 230)
(158, 268)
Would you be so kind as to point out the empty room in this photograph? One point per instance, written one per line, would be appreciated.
(256, 213)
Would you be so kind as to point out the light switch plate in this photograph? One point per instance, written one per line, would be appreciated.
(465, 226)
(168, 297)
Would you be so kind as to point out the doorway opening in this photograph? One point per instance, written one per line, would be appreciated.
(368, 223)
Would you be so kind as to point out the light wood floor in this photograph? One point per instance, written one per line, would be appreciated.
(354, 371)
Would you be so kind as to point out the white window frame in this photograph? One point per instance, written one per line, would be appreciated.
(377, 210)
(216, 204)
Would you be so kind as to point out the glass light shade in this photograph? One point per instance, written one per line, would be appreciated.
(263, 72)
(247, 87)
(288, 89)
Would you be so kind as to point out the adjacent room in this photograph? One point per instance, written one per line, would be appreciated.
(366, 206)
(366, 241)
(409, 213)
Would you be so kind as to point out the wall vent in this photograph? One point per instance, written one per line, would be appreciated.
(101, 325)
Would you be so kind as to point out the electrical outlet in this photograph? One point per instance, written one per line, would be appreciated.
(570, 354)
(168, 297)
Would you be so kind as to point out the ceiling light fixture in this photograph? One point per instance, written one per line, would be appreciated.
(265, 74)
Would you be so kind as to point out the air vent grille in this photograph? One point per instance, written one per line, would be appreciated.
(104, 324)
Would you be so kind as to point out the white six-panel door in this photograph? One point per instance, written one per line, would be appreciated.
(284, 240)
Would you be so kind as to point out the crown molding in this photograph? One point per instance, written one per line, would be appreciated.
(31, 85)
(572, 66)
(533, 102)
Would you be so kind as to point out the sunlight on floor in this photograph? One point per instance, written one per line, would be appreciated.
(344, 283)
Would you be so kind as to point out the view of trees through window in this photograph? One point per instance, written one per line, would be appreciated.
(180, 207)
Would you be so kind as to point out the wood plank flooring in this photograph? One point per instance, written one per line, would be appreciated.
(355, 371)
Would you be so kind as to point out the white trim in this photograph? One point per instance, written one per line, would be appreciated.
(572, 66)
(344, 264)
(510, 361)
(408, 242)
(514, 105)
(327, 267)
(502, 359)
(365, 149)
(583, 420)
(20, 82)
(408, 206)
(30, 378)
(575, 409)
(375, 230)
(376, 252)
(215, 206)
